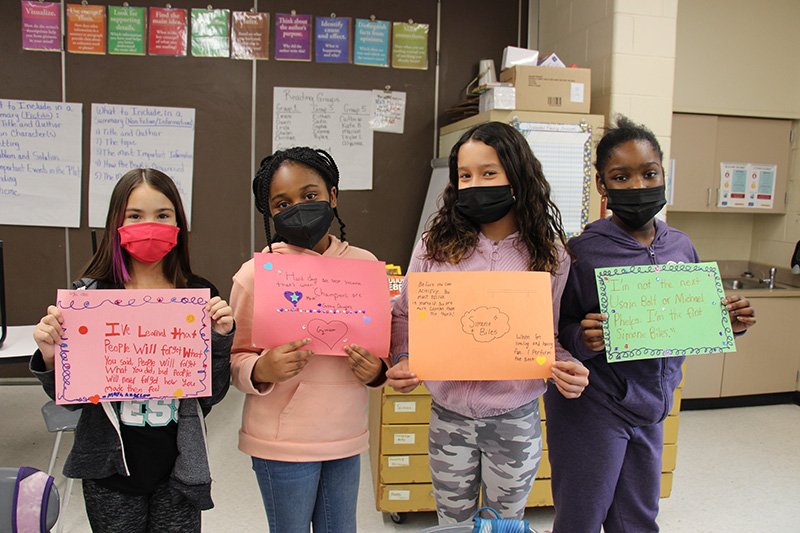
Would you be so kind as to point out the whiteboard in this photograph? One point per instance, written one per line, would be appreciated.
(125, 137)
(334, 120)
(40, 163)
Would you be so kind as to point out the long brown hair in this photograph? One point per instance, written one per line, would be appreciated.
(452, 236)
(112, 263)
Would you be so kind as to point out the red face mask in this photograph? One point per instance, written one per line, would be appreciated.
(148, 242)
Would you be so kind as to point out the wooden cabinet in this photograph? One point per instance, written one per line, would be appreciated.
(701, 142)
(401, 478)
(766, 360)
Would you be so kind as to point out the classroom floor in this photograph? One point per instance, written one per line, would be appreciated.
(738, 470)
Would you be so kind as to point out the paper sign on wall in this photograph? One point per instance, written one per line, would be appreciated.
(133, 344)
(663, 310)
(41, 26)
(480, 325)
(332, 301)
(40, 163)
(747, 185)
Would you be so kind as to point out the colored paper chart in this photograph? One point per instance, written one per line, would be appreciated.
(210, 33)
(41, 26)
(250, 35)
(410, 46)
(663, 311)
(480, 325)
(126, 28)
(167, 31)
(332, 37)
(86, 29)
(371, 43)
(332, 301)
(388, 111)
(292, 37)
(133, 344)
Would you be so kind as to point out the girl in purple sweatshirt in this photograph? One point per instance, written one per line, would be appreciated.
(485, 436)
(605, 447)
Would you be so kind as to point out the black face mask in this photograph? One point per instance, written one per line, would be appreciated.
(484, 205)
(304, 224)
(636, 207)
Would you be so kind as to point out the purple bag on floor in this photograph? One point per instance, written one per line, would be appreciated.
(31, 494)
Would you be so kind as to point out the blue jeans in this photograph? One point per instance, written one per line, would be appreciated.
(296, 495)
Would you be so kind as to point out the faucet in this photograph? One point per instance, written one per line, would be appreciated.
(770, 279)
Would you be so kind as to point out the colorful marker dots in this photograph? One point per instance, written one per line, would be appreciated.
(83, 330)
(190, 318)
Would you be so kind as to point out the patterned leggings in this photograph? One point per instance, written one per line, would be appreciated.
(162, 511)
(497, 457)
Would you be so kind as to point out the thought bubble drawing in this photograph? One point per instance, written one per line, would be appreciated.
(485, 324)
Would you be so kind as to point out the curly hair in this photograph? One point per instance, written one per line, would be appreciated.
(625, 130)
(452, 236)
(317, 160)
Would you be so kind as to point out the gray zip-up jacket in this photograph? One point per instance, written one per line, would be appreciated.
(98, 450)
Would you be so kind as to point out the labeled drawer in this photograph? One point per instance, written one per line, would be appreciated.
(671, 429)
(406, 439)
(406, 498)
(669, 458)
(406, 409)
(405, 469)
(676, 402)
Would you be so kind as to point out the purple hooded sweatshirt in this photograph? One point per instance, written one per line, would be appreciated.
(639, 391)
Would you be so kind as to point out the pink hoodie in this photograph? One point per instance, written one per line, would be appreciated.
(319, 414)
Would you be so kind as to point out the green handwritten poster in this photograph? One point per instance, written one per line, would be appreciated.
(663, 310)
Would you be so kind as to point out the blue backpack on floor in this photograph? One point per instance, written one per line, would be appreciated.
(498, 525)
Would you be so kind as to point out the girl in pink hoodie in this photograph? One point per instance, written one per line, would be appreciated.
(305, 416)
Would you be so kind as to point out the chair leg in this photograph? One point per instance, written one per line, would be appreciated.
(64, 504)
(54, 453)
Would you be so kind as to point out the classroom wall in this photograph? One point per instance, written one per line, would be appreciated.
(747, 72)
(40, 260)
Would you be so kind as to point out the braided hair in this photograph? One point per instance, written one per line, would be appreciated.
(317, 160)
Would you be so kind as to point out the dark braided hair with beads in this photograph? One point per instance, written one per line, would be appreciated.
(317, 160)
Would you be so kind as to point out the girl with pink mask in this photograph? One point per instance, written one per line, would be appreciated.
(143, 463)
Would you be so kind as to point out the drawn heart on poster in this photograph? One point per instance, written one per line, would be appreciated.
(293, 297)
(328, 333)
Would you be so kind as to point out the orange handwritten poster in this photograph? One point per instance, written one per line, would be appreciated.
(126, 344)
(86, 29)
(480, 325)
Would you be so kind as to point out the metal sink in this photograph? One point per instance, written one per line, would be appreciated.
(748, 284)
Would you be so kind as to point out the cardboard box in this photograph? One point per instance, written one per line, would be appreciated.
(564, 90)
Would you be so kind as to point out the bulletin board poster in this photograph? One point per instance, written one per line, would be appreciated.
(168, 31)
(211, 32)
(480, 325)
(333, 301)
(334, 120)
(126, 137)
(410, 46)
(133, 344)
(372, 43)
(332, 39)
(250, 35)
(40, 163)
(292, 37)
(41, 26)
(663, 311)
(126, 30)
(565, 151)
(86, 29)
(388, 111)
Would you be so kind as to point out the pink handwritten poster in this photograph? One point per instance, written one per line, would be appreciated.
(133, 344)
(332, 301)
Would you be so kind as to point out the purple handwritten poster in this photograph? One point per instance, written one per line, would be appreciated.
(41, 26)
(292, 37)
(133, 344)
